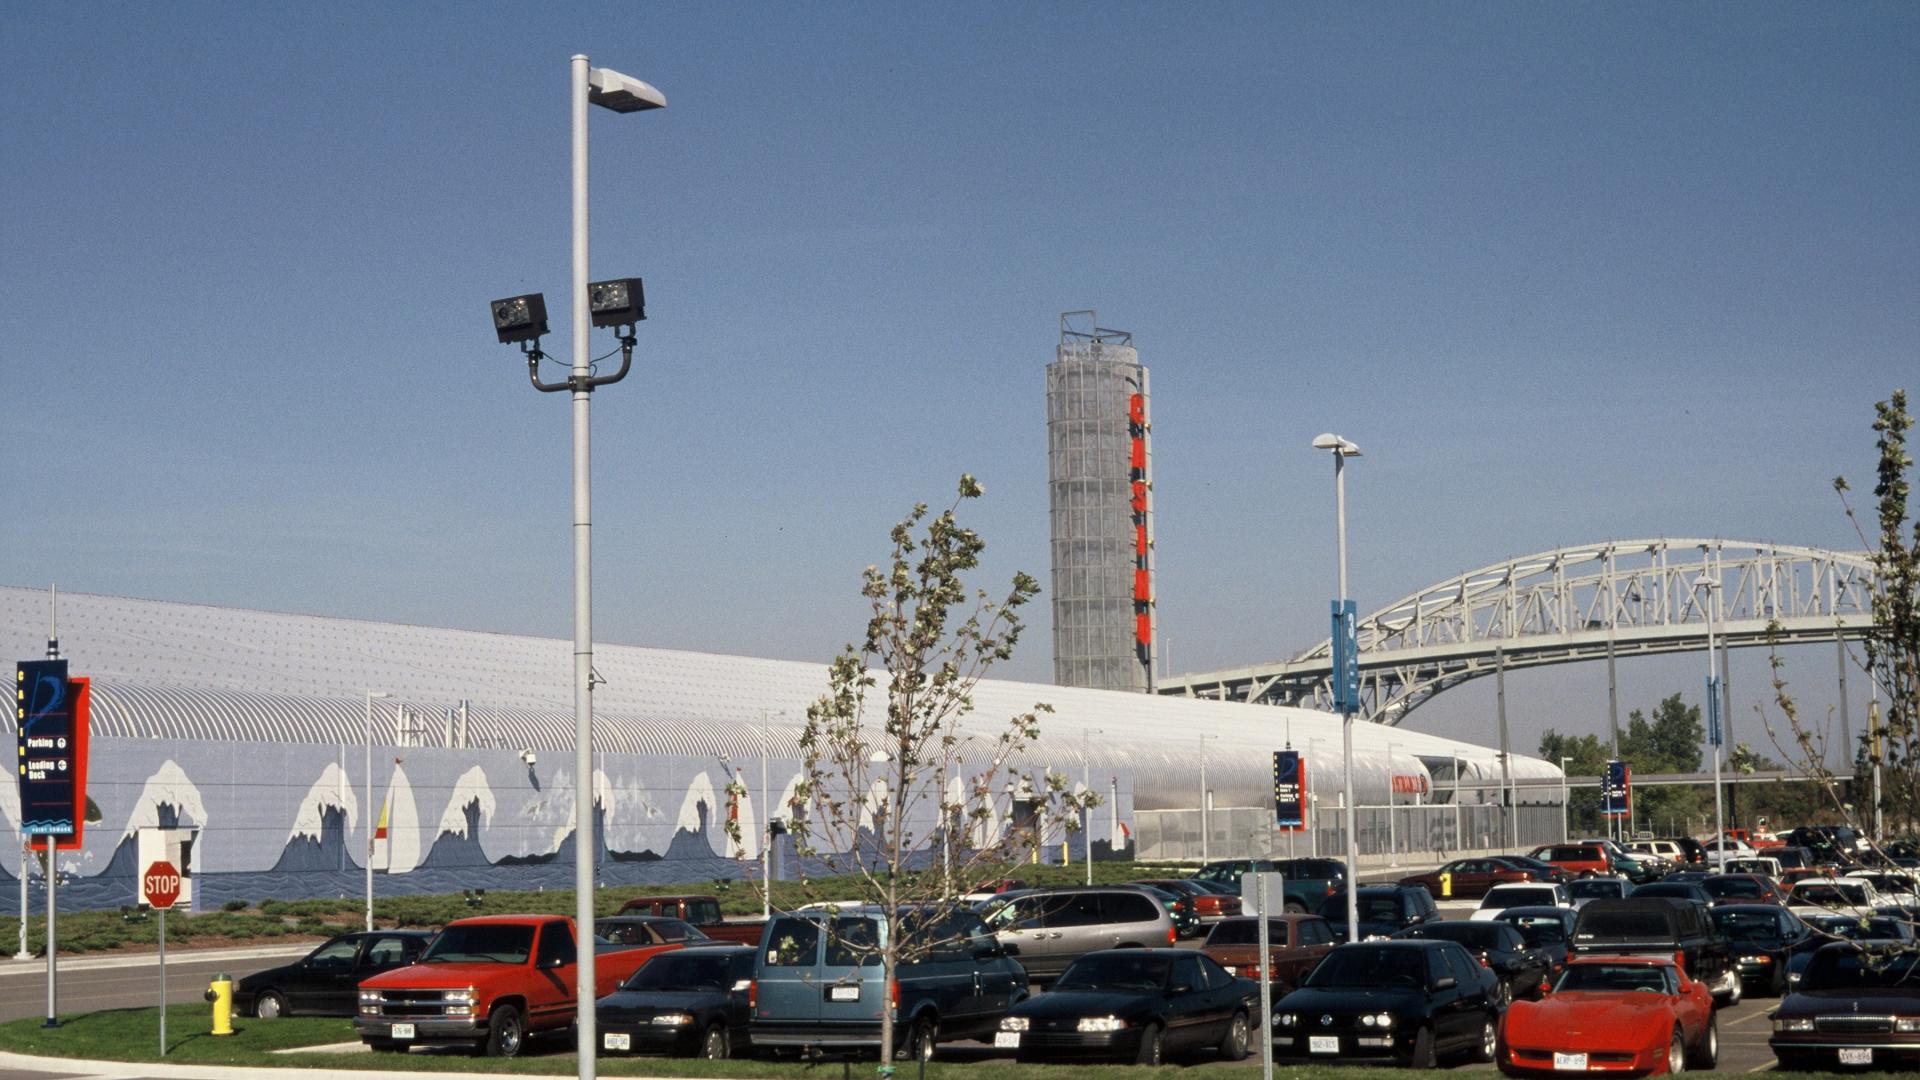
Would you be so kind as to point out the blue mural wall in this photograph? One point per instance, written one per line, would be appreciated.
(289, 821)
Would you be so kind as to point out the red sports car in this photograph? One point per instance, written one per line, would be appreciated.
(1618, 1014)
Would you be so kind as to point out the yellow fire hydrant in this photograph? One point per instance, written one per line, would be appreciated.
(220, 992)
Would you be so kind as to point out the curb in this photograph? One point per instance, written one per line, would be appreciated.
(38, 965)
(164, 1071)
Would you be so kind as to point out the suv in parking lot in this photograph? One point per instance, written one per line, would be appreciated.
(1660, 926)
(1051, 928)
(1381, 910)
(1307, 881)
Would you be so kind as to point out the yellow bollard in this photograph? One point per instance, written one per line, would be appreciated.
(220, 992)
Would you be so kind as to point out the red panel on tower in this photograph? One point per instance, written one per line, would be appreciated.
(1137, 410)
(1139, 453)
(1143, 628)
(1139, 496)
(1140, 540)
(1141, 591)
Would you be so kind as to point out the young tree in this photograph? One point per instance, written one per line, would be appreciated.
(894, 791)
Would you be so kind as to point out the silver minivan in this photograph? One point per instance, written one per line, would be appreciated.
(1052, 928)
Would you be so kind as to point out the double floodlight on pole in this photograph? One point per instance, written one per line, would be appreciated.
(619, 303)
(1346, 670)
(1711, 711)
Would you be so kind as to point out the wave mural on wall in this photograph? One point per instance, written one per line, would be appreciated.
(318, 839)
(457, 840)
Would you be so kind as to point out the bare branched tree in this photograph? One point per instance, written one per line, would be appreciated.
(894, 791)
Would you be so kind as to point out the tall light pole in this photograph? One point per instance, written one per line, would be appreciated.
(1566, 803)
(1086, 789)
(369, 811)
(1343, 449)
(1709, 583)
(1205, 825)
(1393, 804)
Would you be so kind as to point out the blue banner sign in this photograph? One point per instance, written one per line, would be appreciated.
(48, 750)
(1713, 710)
(1616, 790)
(1289, 790)
(1346, 658)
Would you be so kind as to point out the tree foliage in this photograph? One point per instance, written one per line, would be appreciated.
(894, 792)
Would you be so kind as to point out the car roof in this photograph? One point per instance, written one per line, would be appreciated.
(1536, 910)
(510, 920)
(1651, 961)
(702, 947)
(639, 918)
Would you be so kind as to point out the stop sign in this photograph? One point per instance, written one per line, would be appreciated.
(160, 885)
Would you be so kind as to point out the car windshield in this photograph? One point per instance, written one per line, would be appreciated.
(1624, 924)
(1592, 890)
(1115, 971)
(1364, 966)
(483, 942)
(684, 971)
(1860, 929)
(1247, 932)
(1538, 930)
(1829, 894)
(1501, 899)
(1749, 925)
(1474, 935)
(1738, 886)
(1614, 978)
(1849, 969)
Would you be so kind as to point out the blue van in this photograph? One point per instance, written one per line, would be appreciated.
(817, 983)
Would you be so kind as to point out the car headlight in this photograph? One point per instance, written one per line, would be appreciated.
(1907, 1023)
(1794, 1023)
(1384, 1020)
(1793, 978)
(1374, 937)
(467, 996)
(369, 997)
(1287, 1019)
(1101, 1023)
(1013, 1023)
(672, 1019)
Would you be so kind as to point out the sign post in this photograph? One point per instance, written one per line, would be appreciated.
(159, 888)
(51, 715)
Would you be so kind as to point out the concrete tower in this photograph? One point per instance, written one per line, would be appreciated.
(1100, 483)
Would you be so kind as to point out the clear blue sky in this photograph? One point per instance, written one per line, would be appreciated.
(1567, 272)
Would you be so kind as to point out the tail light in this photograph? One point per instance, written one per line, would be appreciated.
(1172, 938)
(893, 993)
(1483, 959)
(1329, 886)
(753, 994)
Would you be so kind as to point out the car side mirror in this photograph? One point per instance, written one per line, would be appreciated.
(1444, 982)
(1180, 988)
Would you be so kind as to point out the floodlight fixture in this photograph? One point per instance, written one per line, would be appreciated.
(520, 318)
(1330, 441)
(620, 302)
(609, 89)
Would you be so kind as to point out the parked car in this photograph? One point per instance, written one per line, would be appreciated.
(1691, 891)
(1763, 940)
(817, 981)
(1859, 1005)
(1295, 943)
(1577, 860)
(1141, 1005)
(1467, 879)
(1413, 1001)
(1208, 903)
(1179, 908)
(1306, 881)
(1838, 895)
(689, 1003)
(1549, 929)
(986, 891)
(1380, 910)
(1764, 865)
(1743, 888)
(1660, 926)
(1629, 1014)
(1498, 947)
(1669, 850)
(1896, 889)
(1634, 866)
(700, 910)
(1829, 928)
(489, 982)
(648, 930)
(322, 983)
(1694, 850)
(1501, 897)
(1542, 871)
(1601, 887)
(1051, 928)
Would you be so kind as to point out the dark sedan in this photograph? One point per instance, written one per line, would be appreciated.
(1541, 871)
(1410, 1000)
(1764, 940)
(1549, 929)
(1140, 1005)
(1833, 927)
(649, 930)
(1859, 1005)
(1381, 910)
(691, 1002)
(323, 983)
(1678, 890)
(1498, 947)
(1743, 889)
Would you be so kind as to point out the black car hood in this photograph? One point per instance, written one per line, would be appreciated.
(1351, 999)
(649, 1002)
(268, 977)
(1900, 1001)
(1059, 1003)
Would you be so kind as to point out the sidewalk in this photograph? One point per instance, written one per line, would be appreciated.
(83, 1067)
(38, 965)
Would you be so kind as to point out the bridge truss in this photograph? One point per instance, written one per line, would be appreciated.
(1622, 598)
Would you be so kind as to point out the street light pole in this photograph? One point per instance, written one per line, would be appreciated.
(1393, 804)
(368, 811)
(1566, 803)
(1205, 825)
(1086, 790)
(1709, 583)
(1342, 449)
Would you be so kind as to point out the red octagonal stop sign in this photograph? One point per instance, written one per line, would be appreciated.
(160, 885)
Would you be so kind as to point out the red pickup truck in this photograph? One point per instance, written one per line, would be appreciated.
(700, 910)
(489, 982)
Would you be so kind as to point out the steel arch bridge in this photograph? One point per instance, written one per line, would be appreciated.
(1621, 598)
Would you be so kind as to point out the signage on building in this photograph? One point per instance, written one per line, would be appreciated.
(1409, 784)
(51, 712)
(1289, 790)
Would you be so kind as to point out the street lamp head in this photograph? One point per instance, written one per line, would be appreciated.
(520, 318)
(1329, 441)
(620, 302)
(609, 89)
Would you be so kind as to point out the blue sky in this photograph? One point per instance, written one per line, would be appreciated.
(1567, 272)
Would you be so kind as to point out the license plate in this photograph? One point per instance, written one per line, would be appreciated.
(1006, 1040)
(1856, 1055)
(843, 993)
(617, 1040)
(1323, 1044)
(1574, 1062)
(402, 1031)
